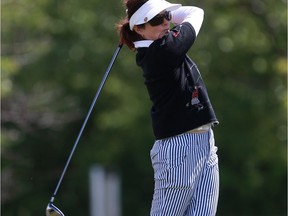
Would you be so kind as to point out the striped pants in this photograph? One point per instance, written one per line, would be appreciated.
(186, 175)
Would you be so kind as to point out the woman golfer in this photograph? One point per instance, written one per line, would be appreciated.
(184, 155)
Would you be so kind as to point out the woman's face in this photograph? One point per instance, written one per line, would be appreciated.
(149, 32)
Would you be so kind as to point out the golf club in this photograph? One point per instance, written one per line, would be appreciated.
(51, 209)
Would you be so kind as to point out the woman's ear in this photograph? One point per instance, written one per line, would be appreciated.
(138, 30)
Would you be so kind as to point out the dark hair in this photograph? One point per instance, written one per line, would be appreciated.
(127, 36)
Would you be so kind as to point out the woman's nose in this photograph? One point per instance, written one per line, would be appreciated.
(165, 22)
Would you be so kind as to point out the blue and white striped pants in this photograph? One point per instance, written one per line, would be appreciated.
(186, 175)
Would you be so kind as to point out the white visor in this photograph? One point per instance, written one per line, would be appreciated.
(150, 9)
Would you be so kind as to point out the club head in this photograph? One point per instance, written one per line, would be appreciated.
(52, 210)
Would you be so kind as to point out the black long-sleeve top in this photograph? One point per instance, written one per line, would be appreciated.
(174, 83)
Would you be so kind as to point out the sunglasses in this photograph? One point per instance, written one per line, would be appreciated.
(159, 19)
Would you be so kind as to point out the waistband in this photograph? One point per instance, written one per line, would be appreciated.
(201, 129)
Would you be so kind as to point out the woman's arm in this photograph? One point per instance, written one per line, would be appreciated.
(191, 14)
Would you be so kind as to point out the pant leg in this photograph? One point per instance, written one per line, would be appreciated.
(178, 163)
(205, 200)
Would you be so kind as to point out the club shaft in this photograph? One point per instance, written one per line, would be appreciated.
(86, 119)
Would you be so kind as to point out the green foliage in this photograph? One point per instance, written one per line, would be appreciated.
(54, 54)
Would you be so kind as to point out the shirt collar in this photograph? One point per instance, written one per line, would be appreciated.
(143, 43)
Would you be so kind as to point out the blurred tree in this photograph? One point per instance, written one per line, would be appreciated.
(54, 54)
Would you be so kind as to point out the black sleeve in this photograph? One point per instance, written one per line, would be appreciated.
(173, 47)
